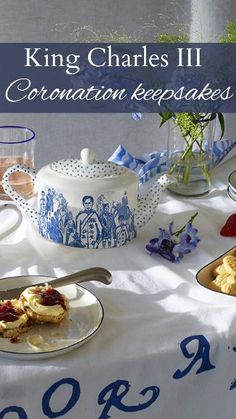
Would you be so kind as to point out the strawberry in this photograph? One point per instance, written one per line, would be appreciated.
(229, 229)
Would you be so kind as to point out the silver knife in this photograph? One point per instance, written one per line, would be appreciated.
(91, 274)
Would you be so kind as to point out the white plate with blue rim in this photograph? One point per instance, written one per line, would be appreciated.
(83, 321)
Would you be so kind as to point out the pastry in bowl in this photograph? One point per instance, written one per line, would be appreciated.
(44, 304)
(13, 320)
(225, 276)
(217, 279)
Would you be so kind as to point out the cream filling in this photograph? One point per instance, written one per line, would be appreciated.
(33, 302)
(38, 343)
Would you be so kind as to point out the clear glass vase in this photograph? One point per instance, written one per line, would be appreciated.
(189, 157)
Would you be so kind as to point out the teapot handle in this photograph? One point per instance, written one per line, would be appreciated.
(16, 197)
(18, 222)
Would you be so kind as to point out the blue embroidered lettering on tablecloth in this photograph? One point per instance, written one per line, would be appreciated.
(203, 353)
(13, 409)
(116, 396)
(71, 403)
(113, 394)
(233, 384)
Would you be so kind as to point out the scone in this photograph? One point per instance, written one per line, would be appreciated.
(44, 304)
(13, 320)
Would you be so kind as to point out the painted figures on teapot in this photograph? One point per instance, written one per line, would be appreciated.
(99, 223)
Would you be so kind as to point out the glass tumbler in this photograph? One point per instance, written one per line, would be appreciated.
(189, 158)
(17, 146)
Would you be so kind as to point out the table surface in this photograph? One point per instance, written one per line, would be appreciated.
(165, 349)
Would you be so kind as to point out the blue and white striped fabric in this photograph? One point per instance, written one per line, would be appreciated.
(148, 165)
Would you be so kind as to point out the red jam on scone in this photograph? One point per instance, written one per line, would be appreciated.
(44, 304)
(13, 319)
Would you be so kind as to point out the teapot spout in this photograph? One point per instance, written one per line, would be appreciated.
(147, 206)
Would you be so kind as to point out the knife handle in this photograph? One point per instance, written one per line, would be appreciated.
(91, 274)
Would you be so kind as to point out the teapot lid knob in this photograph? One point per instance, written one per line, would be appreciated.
(87, 156)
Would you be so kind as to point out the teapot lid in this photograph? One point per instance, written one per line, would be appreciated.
(87, 166)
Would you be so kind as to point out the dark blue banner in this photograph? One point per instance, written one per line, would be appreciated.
(51, 78)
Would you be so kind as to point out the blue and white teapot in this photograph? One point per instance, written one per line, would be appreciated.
(87, 203)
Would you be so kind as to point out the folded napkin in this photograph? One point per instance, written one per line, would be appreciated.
(148, 165)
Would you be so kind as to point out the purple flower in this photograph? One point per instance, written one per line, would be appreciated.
(173, 246)
(162, 247)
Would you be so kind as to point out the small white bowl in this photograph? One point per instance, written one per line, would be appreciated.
(205, 276)
(232, 181)
(231, 193)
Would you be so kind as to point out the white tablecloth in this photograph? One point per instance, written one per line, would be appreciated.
(151, 307)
